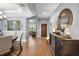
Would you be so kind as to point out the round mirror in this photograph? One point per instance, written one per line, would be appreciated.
(65, 19)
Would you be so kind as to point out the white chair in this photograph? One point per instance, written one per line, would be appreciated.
(17, 47)
(5, 44)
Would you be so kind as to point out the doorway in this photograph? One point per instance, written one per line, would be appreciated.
(43, 30)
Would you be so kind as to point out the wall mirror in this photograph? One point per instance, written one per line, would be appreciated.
(65, 19)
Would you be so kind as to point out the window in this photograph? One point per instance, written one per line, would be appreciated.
(13, 25)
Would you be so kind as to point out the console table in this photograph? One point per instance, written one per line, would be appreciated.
(64, 46)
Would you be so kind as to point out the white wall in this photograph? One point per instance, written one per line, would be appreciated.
(75, 11)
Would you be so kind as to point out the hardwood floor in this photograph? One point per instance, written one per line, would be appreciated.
(35, 47)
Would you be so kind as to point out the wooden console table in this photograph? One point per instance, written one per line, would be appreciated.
(63, 46)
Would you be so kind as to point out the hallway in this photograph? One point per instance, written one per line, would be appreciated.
(36, 47)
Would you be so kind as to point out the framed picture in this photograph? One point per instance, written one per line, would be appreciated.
(13, 25)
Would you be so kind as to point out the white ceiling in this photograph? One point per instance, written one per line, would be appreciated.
(9, 6)
(15, 10)
(42, 10)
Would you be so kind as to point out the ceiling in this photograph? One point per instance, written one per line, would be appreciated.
(9, 6)
(42, 10)
(15, 10)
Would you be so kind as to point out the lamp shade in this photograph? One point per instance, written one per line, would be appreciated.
(4, 16)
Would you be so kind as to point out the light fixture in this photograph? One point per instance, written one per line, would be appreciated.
(1, 12)
(2, 16)
(44, 13)
(67, 31)
(54, 29)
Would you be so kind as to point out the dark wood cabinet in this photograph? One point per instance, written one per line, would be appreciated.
(61, 46)
(52, 44)
(70, 48)
(32, 33)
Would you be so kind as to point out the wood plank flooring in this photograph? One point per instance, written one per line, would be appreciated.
(35, 47)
